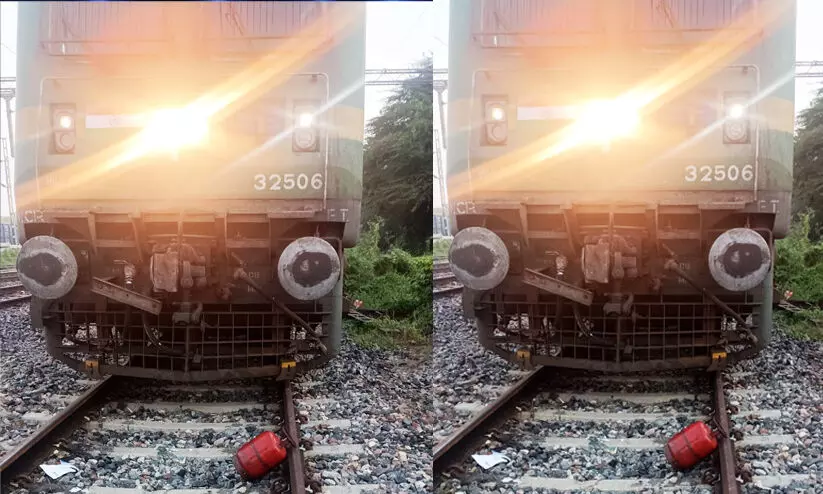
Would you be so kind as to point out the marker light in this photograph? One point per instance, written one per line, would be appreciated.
(497, 113)
(65, 122)
(736, 111)
(305, 120)
(63, 131)
(496, 125)
(305, 136)
(736, 125)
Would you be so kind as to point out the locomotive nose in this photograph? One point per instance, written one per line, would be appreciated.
(739, 259)
(46, 267)
(478, 258)
(308, 268)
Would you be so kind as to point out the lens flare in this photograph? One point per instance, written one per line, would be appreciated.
(602, 121)
(173, 129)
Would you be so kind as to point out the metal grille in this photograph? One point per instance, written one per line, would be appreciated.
(508, 23)
(688, 15)
(231, 338)
(663, 328)
(84, 28)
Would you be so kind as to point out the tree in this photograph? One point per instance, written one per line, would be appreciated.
(808, 163)
(397, 168)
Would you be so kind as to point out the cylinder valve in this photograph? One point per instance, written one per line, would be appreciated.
(479, 259)
(308, 268)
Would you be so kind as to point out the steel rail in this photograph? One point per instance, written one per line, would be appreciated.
(443, 291)
(725, 446)
(25, 457)
(14, 287)
(14, 300)
(296, 465)
(449, 451)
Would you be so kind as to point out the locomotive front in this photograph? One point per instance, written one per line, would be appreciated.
(618, 173)
(188, 175)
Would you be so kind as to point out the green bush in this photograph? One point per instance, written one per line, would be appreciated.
(799, 269)
(799, 263)
(8, 256)
(393, 282)
(440, 250)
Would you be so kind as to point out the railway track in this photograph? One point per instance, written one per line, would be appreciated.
(11, 291)
(444, 280)
(153, 428)
(540, 416)
(8, 274)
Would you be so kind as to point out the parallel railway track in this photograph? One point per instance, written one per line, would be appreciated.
(98, 411)
(444, 280)
(535, 404)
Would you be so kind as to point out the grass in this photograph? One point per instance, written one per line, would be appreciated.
(799, 269)
(8, 256)
(394, 282)
(440, 249)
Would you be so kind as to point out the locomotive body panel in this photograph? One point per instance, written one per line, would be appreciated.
(177, 150)
(609, 145)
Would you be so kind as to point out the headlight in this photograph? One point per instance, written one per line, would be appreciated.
(736, 125)
(172, 129)
(496, 123)
(603, 121)
(305, 135)
(64, 137)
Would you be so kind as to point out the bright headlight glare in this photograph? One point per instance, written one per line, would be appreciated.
(305, 120)
(172, 129)
(606, 120)
(65, 121)
(736, 111)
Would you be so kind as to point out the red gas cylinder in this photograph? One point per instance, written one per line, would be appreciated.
(259, 455)
(686, 448)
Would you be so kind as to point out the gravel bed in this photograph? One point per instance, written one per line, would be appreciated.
(159, 473)
(789, 373)
(461, 367)
(386, 396)
(119, 411)
(31, 378)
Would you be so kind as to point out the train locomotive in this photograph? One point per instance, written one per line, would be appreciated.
(618, 172)
(188, 175)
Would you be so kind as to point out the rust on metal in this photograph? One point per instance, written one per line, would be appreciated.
(557, 287)
(164, 271)
(459, 442)
(596, 262)
(126, 296)
(242, 275)
(725, 449)
(297, 474)
(25, 456)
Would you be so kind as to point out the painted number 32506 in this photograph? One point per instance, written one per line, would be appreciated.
(288, 181)
(719, 173)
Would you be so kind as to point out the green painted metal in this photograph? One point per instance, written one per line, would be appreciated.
(591, 67)
(229, 165)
